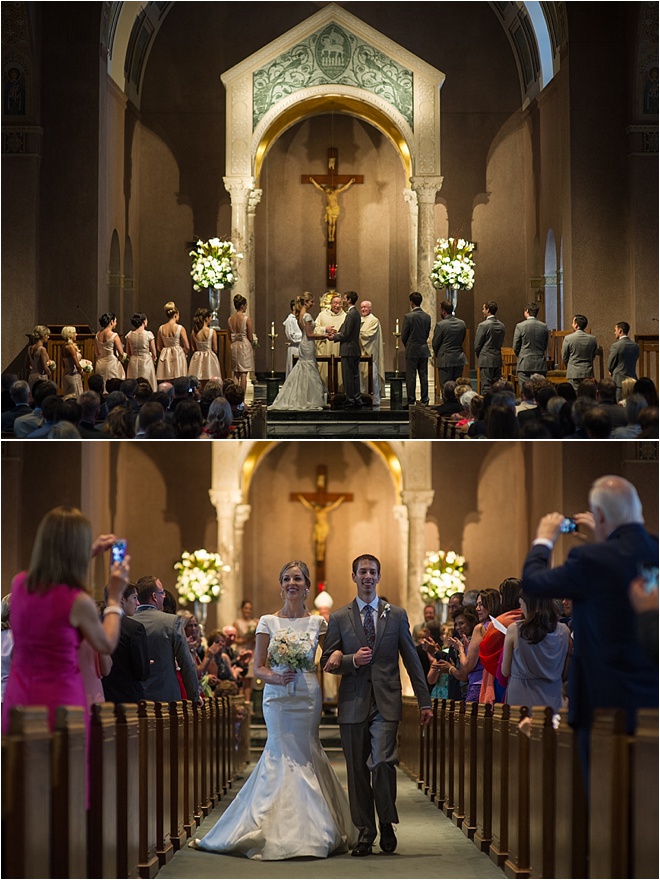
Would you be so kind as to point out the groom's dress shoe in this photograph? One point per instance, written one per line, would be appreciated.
(363, 849)
(387, 838)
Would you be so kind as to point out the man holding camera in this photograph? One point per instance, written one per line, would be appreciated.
(608, 669)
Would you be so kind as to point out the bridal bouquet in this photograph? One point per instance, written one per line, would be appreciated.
(292, 649)
(454, 266)
(214, 264)
(51, 366)
(200, 576)
(443, 575)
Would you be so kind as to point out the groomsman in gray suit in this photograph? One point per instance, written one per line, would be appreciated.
(530, 343)
(448, 344)
(167, 645)
(578, 352)
(415, 335)
(488, 342)
(363, 645)
(624, 354)
(348, 337)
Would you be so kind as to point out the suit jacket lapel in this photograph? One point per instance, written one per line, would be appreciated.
(357, 623)
(381, 625)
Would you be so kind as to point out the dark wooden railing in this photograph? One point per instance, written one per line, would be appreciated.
(520, 798)
(155, 772)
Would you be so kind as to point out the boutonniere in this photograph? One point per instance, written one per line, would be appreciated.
(386, 610)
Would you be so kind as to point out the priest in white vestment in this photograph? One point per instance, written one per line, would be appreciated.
(293, 334)
(371, 343)
(334, 317)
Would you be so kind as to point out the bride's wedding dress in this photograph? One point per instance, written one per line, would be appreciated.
(303, 388)
(293, 804)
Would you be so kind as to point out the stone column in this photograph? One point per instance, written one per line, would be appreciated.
(411, 200)
(241, 189)
(227, 503)
(417, 502)
(426, 189)
(253, 200)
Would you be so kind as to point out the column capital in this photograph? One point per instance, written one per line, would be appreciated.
(411, 197)
(254, 198)
(224, 499)
(242, 514)
(418, 502)
(426, 188)
(240, 188)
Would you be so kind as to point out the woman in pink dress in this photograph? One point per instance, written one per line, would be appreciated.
(52, 612)
(242, 352)
(108, 349)
(172, 345)
(141, 351)
(204, 363)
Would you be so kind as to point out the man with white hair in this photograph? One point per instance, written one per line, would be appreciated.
(371, 343)
(608, 668)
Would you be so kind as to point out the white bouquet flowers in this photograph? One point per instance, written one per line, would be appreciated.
(443, 575)
(200, 576)
(454, 266)
(86, 365)
(293, 650)
(214, 264)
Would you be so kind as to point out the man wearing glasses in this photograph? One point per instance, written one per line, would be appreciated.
(167, 646)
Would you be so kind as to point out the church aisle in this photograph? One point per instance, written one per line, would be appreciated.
(429, 846)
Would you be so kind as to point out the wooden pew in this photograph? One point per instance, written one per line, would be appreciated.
(69, 792)
(147, 858)
(483, 834)
(449, 802)
(458, 813)
(645, 795)
(102, 813)
(542, 774)
(499, 847)
(26, 806)
(517, 863)
(473, 793)
(570, 805)
(609, 795)
(128, 790)
(439, 763)
(177, 776)
(164, 846)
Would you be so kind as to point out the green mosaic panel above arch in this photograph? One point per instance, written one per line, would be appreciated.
(332, 56)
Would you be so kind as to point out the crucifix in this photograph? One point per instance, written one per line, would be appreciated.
(321, 503)
(331, 184)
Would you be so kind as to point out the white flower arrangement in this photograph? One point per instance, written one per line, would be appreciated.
(200, 576)
(443, 575)
(291, 649)
(255, 341)
(86, 365)
(454, 266)
(214, 264)
(51, 366)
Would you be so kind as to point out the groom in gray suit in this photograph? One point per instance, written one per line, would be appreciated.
(363, 644)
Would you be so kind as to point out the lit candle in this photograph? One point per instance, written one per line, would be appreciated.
(272, 328)
(397, 325)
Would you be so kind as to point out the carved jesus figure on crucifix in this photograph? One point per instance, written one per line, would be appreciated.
(332, 204)
(321, 524)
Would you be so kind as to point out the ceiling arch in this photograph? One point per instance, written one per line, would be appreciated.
(535, 32)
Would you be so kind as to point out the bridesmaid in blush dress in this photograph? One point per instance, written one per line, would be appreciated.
(204, 363)
(37, 355)
(172, 344)
(242, 352)
(141, 350)
(109, 350)
(71, 369)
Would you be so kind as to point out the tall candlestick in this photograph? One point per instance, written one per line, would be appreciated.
(397, 325)
(272, 327)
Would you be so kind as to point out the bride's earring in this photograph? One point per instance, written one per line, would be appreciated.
(282, 592)
(306, 593)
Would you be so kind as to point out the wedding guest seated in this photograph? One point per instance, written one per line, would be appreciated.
(113, 399)
(51, 410)
(566, 390)
(63, 430)
(212, 390)
(19, 393)
(71, 410)
(597, 423)
(627, 389)
(449, 404)
(648, 422)
(130, 659)
(219, 421)
(527, 398)
(120, 423)
(26, 424)
(606, 397)
(634, 405)
(95, 383)
(588, 388)
(90, 404)
(128, 387)
(578, 411)
(187, 420)
(160, 431)
(181, 390)
(501, 423)
(646, 387)
(8, 380)
(235, 396)
(143, 393)
(150, 414)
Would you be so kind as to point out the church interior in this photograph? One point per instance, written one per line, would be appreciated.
(132, 130)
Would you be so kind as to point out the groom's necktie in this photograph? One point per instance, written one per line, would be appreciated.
(369, 628)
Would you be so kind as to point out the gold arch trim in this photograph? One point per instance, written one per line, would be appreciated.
(382, 449)
(322, 104)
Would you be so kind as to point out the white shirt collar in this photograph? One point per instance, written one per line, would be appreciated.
(362, 605)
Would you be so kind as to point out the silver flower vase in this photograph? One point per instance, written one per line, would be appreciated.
(214, 304)
(451, 294)
(200, 610)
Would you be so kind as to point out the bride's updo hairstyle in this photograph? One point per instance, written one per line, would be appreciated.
(239, 301)
(170, 310)
(106, 318)
(298, 303)
(296, 563)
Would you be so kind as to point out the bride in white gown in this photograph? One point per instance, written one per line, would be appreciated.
(293, 777)
(303, 388)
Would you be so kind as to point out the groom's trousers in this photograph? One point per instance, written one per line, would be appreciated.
(370, 749)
